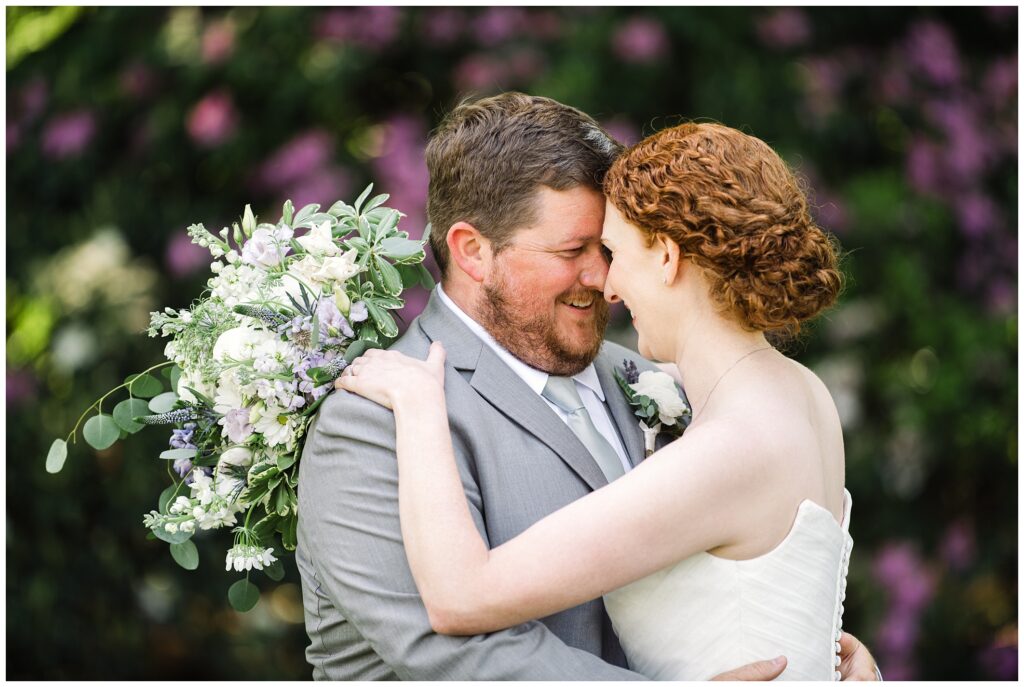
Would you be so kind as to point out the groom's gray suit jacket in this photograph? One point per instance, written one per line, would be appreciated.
(519, 462)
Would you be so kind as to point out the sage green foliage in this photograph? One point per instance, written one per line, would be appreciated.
(921, 351)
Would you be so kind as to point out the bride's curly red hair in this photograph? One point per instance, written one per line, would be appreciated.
(737, 211)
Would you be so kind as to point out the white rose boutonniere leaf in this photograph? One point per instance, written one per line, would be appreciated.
(656, 402)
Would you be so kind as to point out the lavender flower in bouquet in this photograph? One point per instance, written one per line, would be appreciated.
(250, 362)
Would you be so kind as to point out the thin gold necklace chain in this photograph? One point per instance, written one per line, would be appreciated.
(722, 376)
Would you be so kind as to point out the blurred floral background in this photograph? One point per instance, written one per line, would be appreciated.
(124, 125)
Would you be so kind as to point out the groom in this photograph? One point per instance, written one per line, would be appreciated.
(516, 208)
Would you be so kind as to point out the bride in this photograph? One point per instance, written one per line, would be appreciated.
(730, 543)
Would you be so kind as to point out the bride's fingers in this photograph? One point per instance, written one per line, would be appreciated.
(436, 356)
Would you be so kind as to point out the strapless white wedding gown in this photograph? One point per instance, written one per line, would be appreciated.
(706, 615)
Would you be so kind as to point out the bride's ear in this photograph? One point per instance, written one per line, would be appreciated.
(470, 250)
(669, 255)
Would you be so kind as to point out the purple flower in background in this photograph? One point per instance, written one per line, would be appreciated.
(32, 99)
(1000, 82)
(442, 25)
(894, 84)
(213, 119)
(402, 170)
(182, 257)
(68, 135)
(977, 214)
(999, 660)
(525, 64)
(786, 27)
(498, 24)
(899, 569)
(622, 130)
(922, 166)
(968, 151)
(1001, 298)
(479, 71)
(21, 386)
(1002, 14)
(319, 186)
(236, 424)
(308, 152)
(218, 42)
(368, 27)
(958, 546)
(641, 41)
(545, 25)
(931, 49)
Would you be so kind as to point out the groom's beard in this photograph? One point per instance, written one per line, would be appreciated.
(528, 330)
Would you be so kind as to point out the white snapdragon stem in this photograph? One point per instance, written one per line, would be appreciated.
(650, 436)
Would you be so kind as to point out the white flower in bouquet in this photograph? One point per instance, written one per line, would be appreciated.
(275, 424)
(319, 241)
(194, 380)
(267, 246)
(661, 388)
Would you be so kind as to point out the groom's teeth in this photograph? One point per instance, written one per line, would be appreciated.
(580, 304)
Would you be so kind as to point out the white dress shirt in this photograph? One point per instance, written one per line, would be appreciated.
(587, 383)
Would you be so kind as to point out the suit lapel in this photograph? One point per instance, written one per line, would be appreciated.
(622, 413)
(503, 389)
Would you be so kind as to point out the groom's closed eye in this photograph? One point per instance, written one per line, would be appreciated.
(606, 253)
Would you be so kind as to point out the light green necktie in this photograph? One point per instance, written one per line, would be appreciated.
(562, 392)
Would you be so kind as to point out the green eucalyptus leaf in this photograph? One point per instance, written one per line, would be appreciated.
(304, 213)
(57, 455)
(165, 498)
(171, 537)
(243, 596)
(341, 209)
(101, 431)
(275, 571)
(128, 409)
(143, 385)
(163, 403)
(186, 554)
(387, 223)
(374, 202)
(176, 453)
(175, 376)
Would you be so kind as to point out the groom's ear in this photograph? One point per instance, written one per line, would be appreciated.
(470, 250)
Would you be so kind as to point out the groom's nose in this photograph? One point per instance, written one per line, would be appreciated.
(595, 270)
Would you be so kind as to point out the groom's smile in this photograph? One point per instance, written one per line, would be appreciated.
(543, 300)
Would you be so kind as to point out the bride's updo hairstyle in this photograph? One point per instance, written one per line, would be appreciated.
(736, 210)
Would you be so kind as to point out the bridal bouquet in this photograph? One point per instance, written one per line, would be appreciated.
(248, 365)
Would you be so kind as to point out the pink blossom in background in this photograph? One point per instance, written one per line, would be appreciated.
(899, 568)
(824, 78)
(1001, 298)
(999, 661)
(894, 85)
(922, 166)
(958, 547)
(622, 130)
(641, 41)
(182, 257)
(213, 119)
(931, 49)
(787, 27)
(442, 25)
(1000, 82)
(968, 151)
(218, 41)
(21, 387)
(977, 214)
(323, 186)
(498, 24)
(525, 64)
(373, 27)
(479, 71)
(137, 80)
(401, 172)
(67, 135)
(545, 25)
(303, 155)
(33, 98)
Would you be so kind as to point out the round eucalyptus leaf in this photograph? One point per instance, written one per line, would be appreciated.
(186, 555)
(243, 596)
(171, 537)
(165, 498)
(144, 386)
(57, 455)
(177, 453)
(275, 571)
(163, 403)
(101, 431)
(128, 409)
(175, 376)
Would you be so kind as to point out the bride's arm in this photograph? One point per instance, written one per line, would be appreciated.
(668, 507)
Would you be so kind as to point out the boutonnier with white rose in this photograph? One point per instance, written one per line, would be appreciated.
(247, 366)
(656, 401)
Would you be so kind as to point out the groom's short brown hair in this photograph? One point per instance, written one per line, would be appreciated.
(487, 158)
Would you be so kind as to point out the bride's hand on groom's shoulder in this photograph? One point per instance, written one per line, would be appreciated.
(391, 378)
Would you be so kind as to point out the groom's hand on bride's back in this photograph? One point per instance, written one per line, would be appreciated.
(762, 670)
(857, 664)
